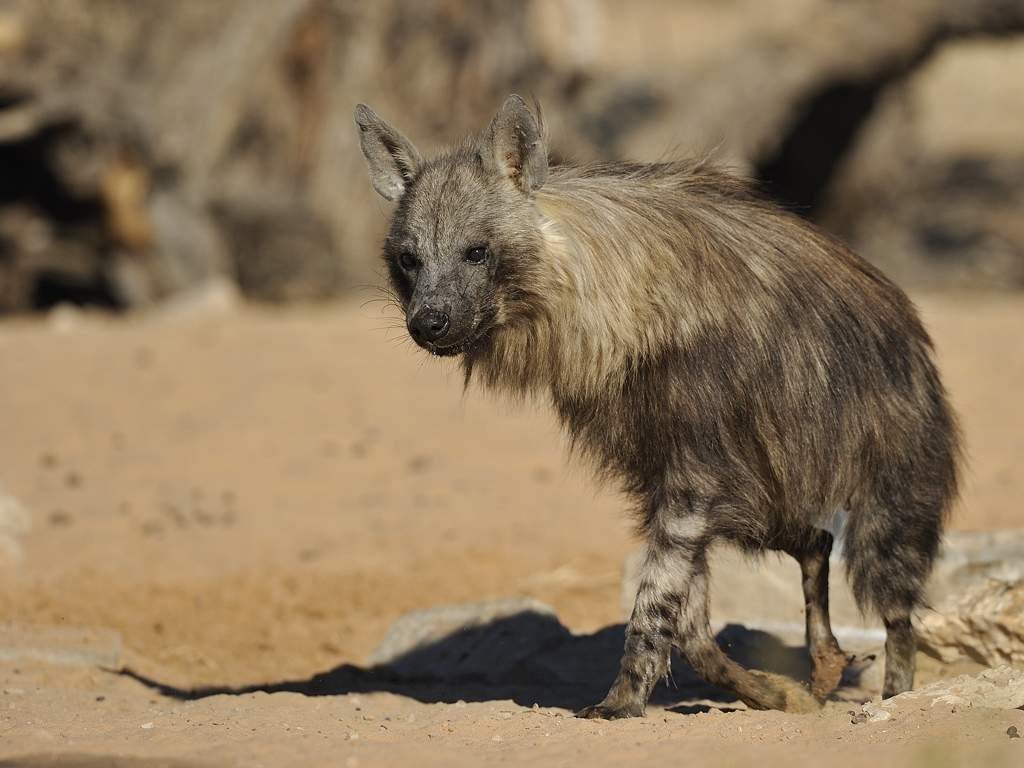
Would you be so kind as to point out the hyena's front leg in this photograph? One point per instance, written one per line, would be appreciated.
(664, 581)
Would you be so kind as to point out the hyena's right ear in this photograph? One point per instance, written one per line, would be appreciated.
(392, 159)
(514, 145)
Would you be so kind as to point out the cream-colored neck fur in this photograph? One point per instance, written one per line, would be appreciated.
(611, 288)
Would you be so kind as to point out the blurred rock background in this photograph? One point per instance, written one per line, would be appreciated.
(149, 147)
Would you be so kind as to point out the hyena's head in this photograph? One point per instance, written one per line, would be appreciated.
(465, 230)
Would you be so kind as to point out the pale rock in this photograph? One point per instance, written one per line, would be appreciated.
(875, 713)
(985, 623)
(999, 688)
(61, 645)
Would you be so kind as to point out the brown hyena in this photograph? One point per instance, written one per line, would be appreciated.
(742, 374)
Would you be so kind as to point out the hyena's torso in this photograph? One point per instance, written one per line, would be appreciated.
(696, 340)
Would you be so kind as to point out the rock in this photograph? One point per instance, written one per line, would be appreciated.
(186, 254)
(985, 623)
(282, 252)
(873, 713)
(26, 245)
(14, 523)
(478, 641)
(65, 318)
(1000, 688)
(971, 557)
(59, 645)
(217, 295)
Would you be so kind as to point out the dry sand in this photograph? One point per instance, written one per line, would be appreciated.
(252, 496)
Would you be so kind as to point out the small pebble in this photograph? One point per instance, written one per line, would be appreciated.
(1012, 732)
(147, 726)
(59, 518)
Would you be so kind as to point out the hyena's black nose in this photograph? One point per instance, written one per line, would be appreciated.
(428, 325)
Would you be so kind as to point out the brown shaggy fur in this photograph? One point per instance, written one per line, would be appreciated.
(743, 375)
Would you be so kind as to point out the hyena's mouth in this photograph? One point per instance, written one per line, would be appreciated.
(441, 349)
(449, 351)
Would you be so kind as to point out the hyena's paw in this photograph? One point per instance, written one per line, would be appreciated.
(604, 711)
(827, 667)
(782, 693)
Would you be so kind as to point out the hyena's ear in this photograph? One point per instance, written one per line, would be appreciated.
(515, 146)
(392, 159)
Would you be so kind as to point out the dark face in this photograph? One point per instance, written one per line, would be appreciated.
(450, 252)
(465, 229)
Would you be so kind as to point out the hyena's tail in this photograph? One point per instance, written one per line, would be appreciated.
(893, 533)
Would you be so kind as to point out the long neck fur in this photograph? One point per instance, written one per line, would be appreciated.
(634, 259)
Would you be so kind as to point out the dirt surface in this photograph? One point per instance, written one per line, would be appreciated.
(252, 497)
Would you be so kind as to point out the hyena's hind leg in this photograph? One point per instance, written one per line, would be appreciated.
(759, 690)
(890, 557)
(811, 549)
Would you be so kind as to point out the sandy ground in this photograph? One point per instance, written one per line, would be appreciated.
(252, 496)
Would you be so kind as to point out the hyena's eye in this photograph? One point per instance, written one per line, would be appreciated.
(408, 261)
(477, 255)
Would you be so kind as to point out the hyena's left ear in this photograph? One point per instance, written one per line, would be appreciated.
(393, 160)
(514, 145)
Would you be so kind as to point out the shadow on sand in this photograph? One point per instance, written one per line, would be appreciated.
(529, 658)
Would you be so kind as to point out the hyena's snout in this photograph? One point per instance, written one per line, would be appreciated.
(429, 325)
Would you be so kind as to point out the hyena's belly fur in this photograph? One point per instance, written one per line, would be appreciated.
(739, 372)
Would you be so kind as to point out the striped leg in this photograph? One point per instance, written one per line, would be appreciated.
(671, 548)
